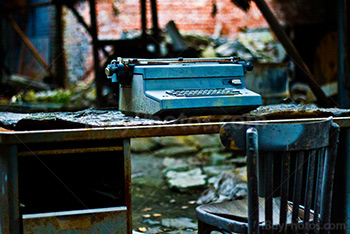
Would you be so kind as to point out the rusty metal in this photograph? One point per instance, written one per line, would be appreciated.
(184, 60)
(70, 151)
(118, 221)
(104, 220)
(20, 137)
(127, 181)
(8, 140)
(9, 203)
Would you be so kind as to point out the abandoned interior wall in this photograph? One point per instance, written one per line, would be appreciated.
(121, 19)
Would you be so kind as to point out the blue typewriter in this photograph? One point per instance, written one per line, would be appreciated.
(188, 87)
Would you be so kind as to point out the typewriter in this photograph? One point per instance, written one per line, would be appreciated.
(188, 87)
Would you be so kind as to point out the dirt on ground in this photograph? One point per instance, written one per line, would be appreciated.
(156, 208)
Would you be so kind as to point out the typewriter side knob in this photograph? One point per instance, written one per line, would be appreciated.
(249, 66)
(119, 72)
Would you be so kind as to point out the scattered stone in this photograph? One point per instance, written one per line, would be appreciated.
(157, 215)
(172, 201)
(151, 222)
(143, 145)
(146, 215)
(217, 159)
(185, 180)
(212, 180)
(191, 202)
(147, 209)
(175, 151)
(217, 170)
(180, 223)
(234, 47)
(205, 154)
(154, 230)
(184, 207)
(204, 141)
(172, 163)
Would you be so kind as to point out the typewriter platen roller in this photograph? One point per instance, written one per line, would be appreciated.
(171, 87)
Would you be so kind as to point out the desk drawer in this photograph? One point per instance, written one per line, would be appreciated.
(104, 220)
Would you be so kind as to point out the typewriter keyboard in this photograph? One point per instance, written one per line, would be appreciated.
(202, 92)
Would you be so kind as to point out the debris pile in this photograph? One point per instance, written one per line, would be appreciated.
(77, 97)
(206, 164)
(196, 170)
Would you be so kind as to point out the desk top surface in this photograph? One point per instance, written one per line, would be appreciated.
(110, 124)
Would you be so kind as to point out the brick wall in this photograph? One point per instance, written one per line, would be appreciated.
(115, 16)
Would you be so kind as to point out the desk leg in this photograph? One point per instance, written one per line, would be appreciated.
(10, 221)
(127, 179)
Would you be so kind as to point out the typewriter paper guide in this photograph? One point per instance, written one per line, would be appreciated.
(188, 89)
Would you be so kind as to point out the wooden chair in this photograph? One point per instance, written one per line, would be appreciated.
(280, 199)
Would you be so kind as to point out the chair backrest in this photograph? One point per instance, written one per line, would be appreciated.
(278, 154)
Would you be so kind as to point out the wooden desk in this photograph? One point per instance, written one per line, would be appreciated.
(10, 218)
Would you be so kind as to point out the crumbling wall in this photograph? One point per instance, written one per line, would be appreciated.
(116, 17)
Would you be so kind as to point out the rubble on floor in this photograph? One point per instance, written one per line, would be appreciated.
(226, 186)
(185, 180)
(192, 162)
(167, 205)
(179, 223)
(175, 151)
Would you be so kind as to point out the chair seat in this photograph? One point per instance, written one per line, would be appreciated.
(233, 215)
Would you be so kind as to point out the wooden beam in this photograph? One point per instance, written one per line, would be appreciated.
(155, 26)
(29, 44)
(98, 78)
(87, 28)
(292, 52)
(143, 19)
